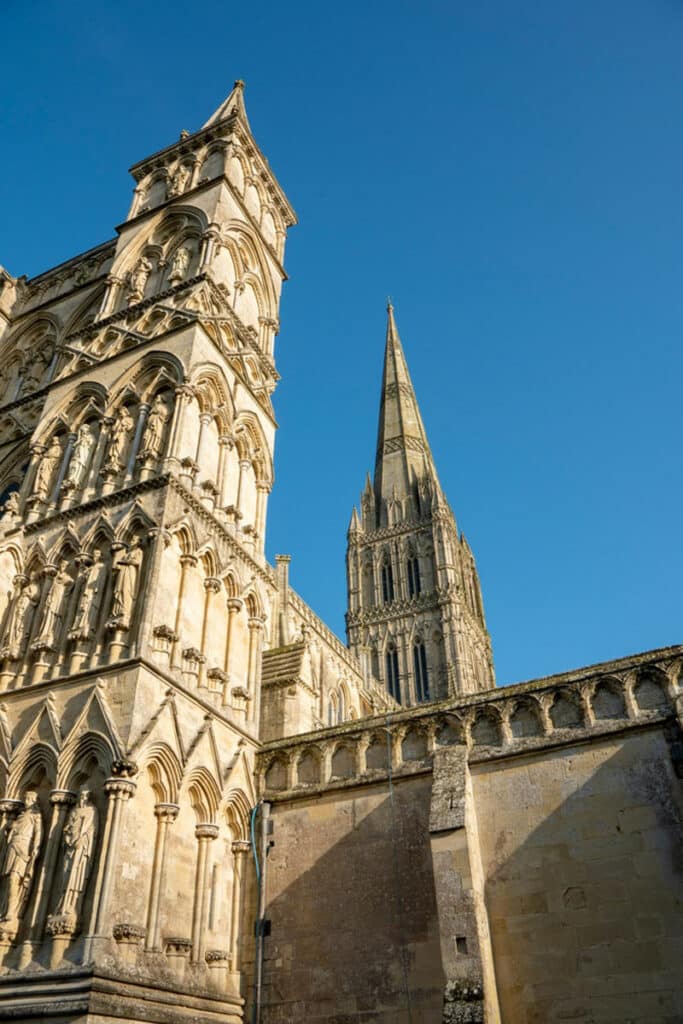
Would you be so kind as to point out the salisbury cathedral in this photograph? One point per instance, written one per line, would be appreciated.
(213, 809)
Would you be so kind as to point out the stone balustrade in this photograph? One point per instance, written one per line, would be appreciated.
(607, 698)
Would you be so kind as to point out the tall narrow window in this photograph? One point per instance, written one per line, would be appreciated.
(421, 676)
(414, 584)
(341, 709)
(393, 681)
(387, 581)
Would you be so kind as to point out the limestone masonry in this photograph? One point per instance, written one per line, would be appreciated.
(213, 810)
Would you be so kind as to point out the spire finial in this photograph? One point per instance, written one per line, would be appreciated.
(239, 83)
(390, 304)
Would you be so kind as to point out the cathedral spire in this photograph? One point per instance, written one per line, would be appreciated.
(403, 453)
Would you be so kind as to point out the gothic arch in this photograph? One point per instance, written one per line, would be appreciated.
(204, 794)
(78, 750)
(165, 770)
(237, 810)
(148, 375)
(37, 757)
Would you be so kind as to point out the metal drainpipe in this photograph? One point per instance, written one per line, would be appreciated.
(260, 920)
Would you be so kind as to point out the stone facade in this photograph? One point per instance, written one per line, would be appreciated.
(427, 848)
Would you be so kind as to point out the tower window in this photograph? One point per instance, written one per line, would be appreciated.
(387, 582)
(421, 675)
(393, 681)
(414, 583)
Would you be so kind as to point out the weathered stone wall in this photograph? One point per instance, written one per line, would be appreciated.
(353, 913)
(584, 881)
(510, 857)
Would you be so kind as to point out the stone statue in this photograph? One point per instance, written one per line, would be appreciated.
(179, 264)
(10, 510)
(85, 619)
(118, 440)
(20, 620)
(80, 833)
(35, 365)
(156, 427)
(53, 611)
(23, 839)
(47, 468)
(179, 180)
(127, 568)
(80, 456)
(139, 277)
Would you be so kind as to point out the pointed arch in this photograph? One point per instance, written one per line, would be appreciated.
(165, 770)
(37, 757)
(204, 794)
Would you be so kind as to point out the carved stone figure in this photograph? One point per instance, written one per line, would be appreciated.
(179, 180)
(80, 833)
(10, 510)
(80, 457)
(47, 468)
(127, 569)
(118, 441)
(85, 619)
(20, 621)
(35, 365)
(53, 611)
(139, 276)
(179, 264)
(23, 840)
(156, 427)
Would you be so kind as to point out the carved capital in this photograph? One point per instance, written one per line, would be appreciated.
(166, 812)
(119, 789)
(213, 584)
(207, 831)
(62, 797)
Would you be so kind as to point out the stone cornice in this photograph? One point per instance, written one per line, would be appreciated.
(72, 261)
(579, 689)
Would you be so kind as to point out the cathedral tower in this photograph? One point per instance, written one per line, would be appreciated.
(415, 610)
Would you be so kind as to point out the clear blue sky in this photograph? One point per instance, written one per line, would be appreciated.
(512, 174)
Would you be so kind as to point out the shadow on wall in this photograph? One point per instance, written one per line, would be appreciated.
(351, 900)
(583, 852)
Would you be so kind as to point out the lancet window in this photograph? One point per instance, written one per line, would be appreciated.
(421, 673)
(413, 571)
(387, 581)
(392, 677)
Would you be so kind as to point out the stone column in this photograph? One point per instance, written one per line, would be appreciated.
(255, 625)
(262, 492)
(225, 445)
(244, 466)
(240, 849)
(111, 295)
(205, 834)
(204, 421)
(61, 800)
(212, 585)
(66, 459)
(234, 606)
(119, 791)
(183, 396)
(143, 413)
(165, 814)
(186, 562)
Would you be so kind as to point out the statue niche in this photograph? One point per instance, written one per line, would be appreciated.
(23, 841)
(94, 583)
(155, 429)
(52, 618)
(126, 568)
(84, 444)
(138, 278)
(20, 619)
(47, 467)
(119, 440)
(78, 841)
